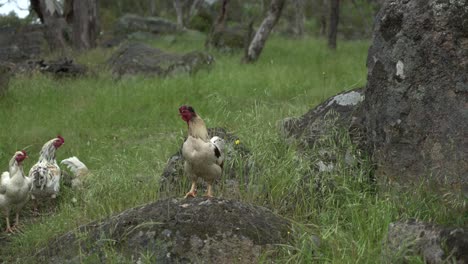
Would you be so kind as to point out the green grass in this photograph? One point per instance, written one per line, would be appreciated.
(126, 130)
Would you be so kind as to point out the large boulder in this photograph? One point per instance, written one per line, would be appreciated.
(136, 58)
(336, 112)
(134, 23)
(436, 244)
(415, 108)
(229, 39)
(21, 43)
(63, 67)
(195, 230)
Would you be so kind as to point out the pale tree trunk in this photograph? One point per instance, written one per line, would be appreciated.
(50, 15)
(85, 24)
(323, 18)
(261, 36)
(334, 16)
(152, 5)
(299, 18)
(179, 13)
(194, 8)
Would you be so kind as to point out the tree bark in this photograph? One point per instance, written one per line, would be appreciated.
(218, 24)
(50, 15)
(193, 9)
(256, 46)
(323, 18)
(179, 13)
(334, 17)
(299, 18)
(152, 4)
(85, 24)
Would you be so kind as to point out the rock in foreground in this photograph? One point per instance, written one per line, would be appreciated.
(195, 230)
(434, 243)
(415, 111)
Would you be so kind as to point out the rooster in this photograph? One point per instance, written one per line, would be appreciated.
(14, 189)
(79, 170)
(46, 173)
(203, 157)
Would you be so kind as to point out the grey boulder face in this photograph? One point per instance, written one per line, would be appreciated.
(134, 23)
(18, 44)
(197, 230)
(336, 112)
(436, 244)
(137, 58)
(415, 112)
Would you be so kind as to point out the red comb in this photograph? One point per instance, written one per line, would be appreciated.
(61, 138)
(24, 153)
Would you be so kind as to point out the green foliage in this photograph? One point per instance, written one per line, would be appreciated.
(125, 131)
(13, 20)
(202, 21)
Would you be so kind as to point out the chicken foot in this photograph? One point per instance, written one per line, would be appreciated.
(35, 208)
(209, 191)
(8, 227)
(193, 190)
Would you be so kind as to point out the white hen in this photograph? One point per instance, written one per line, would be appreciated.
(14, 189)
(79, 170)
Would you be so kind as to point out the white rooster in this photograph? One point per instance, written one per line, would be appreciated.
(79, 171)
(14, 189)
(204, 158)
(46, 173)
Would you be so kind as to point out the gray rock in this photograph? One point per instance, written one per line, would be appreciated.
(134, 23)
(195, 230)
(22, 43)
(415, 114)
(336, 112)
(434, 243)
(63, 67)
(229, 39)
(136, 58)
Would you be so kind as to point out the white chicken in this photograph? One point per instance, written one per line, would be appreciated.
(46, 173)
(204, 158)
(79, 170)
(14, 189)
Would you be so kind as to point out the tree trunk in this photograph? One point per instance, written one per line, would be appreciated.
(85, 24)
(261, 36)
(193, 8)
(152, 4)
(299, 18)
(218, 24)
(334, 16)
(50, 15)
(179, 13)
(323, 18)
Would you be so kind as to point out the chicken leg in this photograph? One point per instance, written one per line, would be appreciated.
(8, 227)
(193, 190)
(209, 192)
(35, 208)
(16, 226)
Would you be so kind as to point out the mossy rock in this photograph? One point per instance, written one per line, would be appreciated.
(197, 230)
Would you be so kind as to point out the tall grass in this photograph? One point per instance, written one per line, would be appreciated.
(125, 131)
